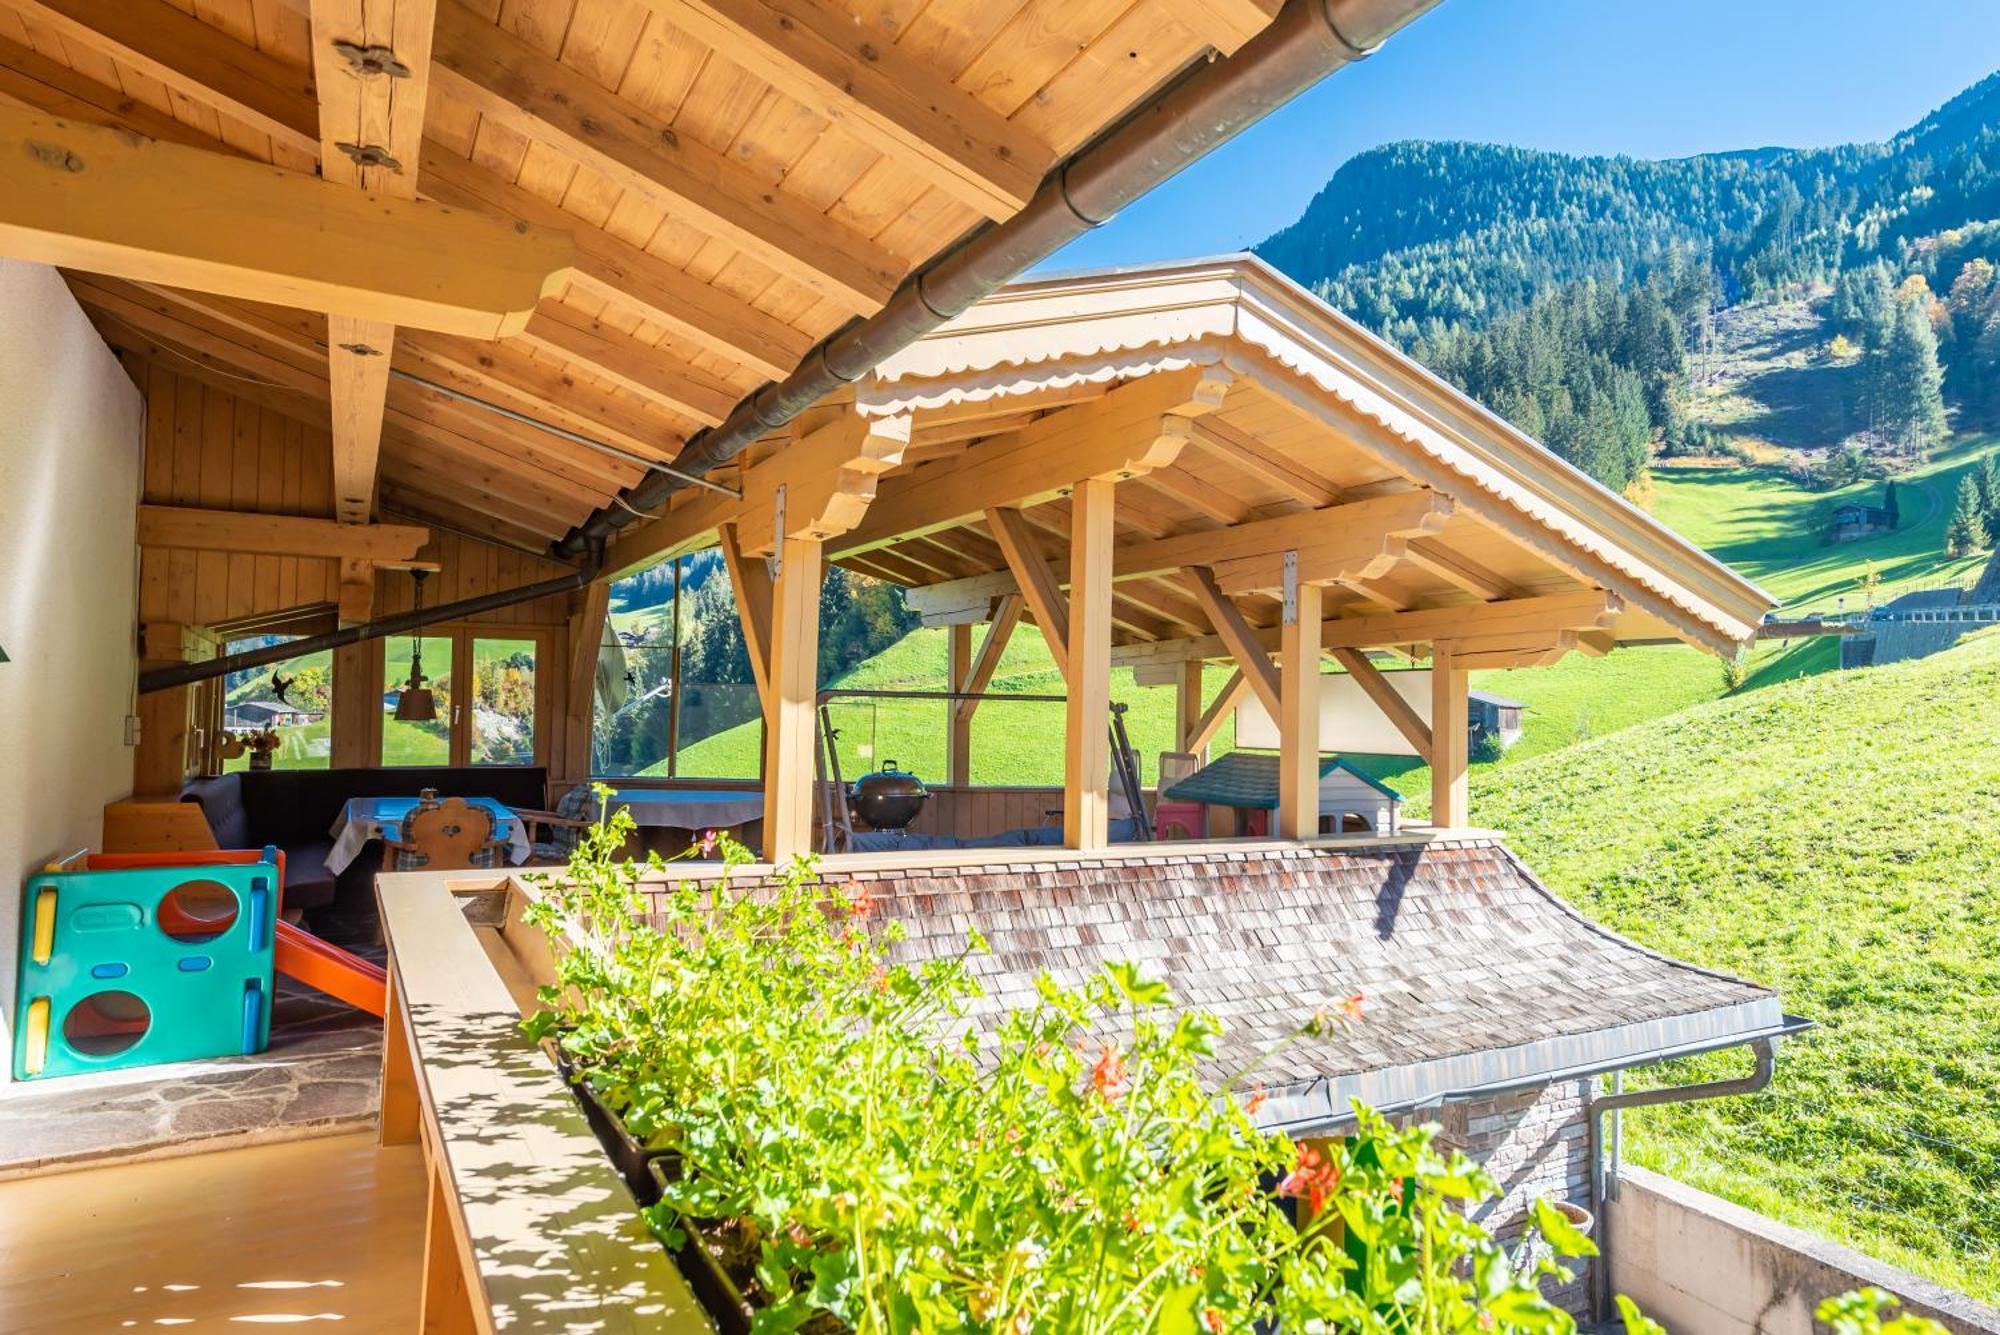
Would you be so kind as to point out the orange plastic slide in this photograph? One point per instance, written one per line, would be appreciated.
(297, 953)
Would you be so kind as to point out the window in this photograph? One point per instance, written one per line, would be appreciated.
(486, 706)
(675, 694)
(502, 726)
(291, 702)
(417, 741)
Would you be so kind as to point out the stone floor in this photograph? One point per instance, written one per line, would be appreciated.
(319, 1075)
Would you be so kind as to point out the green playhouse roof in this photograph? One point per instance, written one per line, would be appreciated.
(1249, 779)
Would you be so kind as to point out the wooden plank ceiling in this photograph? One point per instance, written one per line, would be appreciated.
(742, 177)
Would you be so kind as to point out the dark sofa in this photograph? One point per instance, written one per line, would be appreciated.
(296, 809)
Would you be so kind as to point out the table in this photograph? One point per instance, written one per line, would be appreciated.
(689, 808)
(365, 818)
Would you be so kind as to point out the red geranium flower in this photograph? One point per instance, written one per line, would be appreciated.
(1107, 1077)
(1312, 1180)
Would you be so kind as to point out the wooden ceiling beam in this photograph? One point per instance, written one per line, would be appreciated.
(402, 502)
(629, 364)
(856, 78)
(1433, 556)
(1132, 430)
(371, 68)
(1515, 619)
(276, 535)
(536, 95)
(85, 197)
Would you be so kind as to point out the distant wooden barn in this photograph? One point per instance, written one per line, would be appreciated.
(1494, 715)
(1859, 521)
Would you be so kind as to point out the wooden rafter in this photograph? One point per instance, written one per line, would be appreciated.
(538, 96)
(858, 79)
(194, 59)
(616, 270)
(1259, 460)
(88, 198)
(629, 364)
(1449, 566)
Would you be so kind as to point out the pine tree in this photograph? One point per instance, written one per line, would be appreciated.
(1909, 394)
(1989, 492)
(1966, 533)
(1890, 505)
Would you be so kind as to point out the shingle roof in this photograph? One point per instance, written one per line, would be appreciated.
(1497, 701)
(1249, 779)
(1475, 975)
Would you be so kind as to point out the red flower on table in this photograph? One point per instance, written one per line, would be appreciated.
(1312, 1180)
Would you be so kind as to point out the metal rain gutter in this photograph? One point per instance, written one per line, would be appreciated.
(1205, 108)
(1766, 1050)
(186, 674)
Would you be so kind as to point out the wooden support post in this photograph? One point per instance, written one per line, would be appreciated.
(1298, 717)
(958, 747)
(168, 727)
(401, 1109)
(1087, 754)
(1187, 707)
(1450, 737)
(357, 705)
(586, 639)
(792, 679)
(357, 590)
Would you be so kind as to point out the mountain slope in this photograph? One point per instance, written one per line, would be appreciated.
(1460, 232)
(1833, 837)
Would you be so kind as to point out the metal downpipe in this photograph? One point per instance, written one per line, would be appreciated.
(1204, 109)
(1758, 1079)
(186, 674)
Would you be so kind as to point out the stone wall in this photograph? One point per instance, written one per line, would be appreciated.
(1535, 1142)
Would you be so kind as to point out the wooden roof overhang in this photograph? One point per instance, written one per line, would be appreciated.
(1249, 424)
(741, 178)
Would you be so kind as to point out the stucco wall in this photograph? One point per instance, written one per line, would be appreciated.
(1701, 1266)
(70, 456)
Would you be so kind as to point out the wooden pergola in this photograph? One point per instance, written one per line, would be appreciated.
(1167, 466)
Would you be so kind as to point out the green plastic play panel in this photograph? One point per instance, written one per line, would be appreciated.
(140, 966)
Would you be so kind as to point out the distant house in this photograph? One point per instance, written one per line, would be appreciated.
(257, 715)
(1495, 715)
(1859, 521)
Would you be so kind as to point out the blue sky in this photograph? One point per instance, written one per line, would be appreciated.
(1652, 78)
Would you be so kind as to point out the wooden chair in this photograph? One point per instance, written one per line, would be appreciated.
(452, 835)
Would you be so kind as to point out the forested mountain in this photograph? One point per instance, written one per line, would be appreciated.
(1416, 232)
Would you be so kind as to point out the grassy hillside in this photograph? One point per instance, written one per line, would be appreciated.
(1833, 837)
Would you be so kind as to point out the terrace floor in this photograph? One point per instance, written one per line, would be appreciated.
(329, 1230)
(319, 1076)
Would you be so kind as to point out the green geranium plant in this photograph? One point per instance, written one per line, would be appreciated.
(864, 1154)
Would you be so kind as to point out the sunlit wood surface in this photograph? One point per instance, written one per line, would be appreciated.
(325, 1232)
